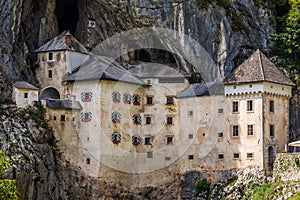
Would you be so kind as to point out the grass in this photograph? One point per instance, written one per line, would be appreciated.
(295, 196)
(266, 191)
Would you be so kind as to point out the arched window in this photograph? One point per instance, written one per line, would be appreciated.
(127, 98)
(116, 97)
(136, 140)
(136, 99)
(116, 117)
(86, 117)
(116, 138)
(136, 119)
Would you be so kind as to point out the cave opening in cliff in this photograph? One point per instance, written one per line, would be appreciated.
(154, 55)
(67, 15)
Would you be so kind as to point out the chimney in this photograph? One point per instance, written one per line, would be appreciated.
(68, 39)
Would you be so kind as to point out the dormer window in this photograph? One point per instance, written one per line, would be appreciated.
(50, 56)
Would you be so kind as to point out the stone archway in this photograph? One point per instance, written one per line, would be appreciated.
(49, 93)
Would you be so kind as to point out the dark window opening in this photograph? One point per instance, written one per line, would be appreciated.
(272, 132)
(170, 100)
(67, 15)
(169, 120)
(170, 140)
(249, 155)
(221, 156)
(26, 95)
(148, 120)
(236, 155)
(63, 118)
(149, 154)
(49, 73)
(191, 157)
(148, 141)
(250, 130)
(235, 106)
(50, 56)
(249, 105)
(88, 161)
(235, 131)
(220, 134)
(271, 106)
(191, 136)
(149, 100)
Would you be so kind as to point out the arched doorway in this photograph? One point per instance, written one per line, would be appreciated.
(271, 156)
(49, 93)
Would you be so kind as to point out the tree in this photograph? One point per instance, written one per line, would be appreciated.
(286, 46)
(8, 189)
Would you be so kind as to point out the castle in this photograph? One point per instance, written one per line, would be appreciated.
(146, 124)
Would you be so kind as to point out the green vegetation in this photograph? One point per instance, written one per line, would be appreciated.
(286, 47)
(296, 161)
(295, 196)
(266, 191)
(8, 189)
(202, 186)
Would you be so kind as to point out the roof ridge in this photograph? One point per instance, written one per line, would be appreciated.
(261, 64)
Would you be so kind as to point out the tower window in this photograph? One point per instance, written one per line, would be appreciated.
(50, 56)
(272, 130)
(26, 95)
(148, 120)
(235, 106)
(220, 156)
(169, 120)
(148, 140)
(272, 106)
(249, 105)
(191, 157)
(170, 100)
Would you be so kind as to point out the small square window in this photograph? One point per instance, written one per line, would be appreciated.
(148, 140)
(169, 120)
(220, 110)
(148, 120)
(167, 158)
(235, 131)
(249, 105)
(220, 134)
(169, 140)
(49, 73)
(26, 95)
(191, 157)
(250, 86)
(170, 100)
(249, 155)
(236, 155)
(191, 136)
(149, 100)
(190, 113)
(272, 106)
(63, 118)
(149, 154)
(235, 106)
(88, 161)
(272, 130)
(220, 156)
(250, 130)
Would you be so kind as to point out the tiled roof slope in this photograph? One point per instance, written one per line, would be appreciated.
(59, 43)
(103, 68)
(257, 68)
(201, 89)
(24, 85)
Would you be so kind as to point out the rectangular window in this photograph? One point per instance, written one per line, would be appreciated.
(191, 157)
(170, 100)
(236, 155)
(49, 73)
(169, 120)
(249, 155)
(167, 158)
(63, 118)
(272, 130)
(235, 106)
(88, 161)
(149, 100)
(191, 136)
(50, 56)
(249, 105)
(190, 113)
(250, 130)
(149, 154)
(148, 120)
(26, 95)
(170, 140)
(235, 131)
(220, 110)
(220, 156)
(272, 106)
(148, 140)
(220, 134)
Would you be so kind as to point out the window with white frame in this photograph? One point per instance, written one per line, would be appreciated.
(50, 56)
(235, 131)
(235, 106)
(250, 129)
(249, 105)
